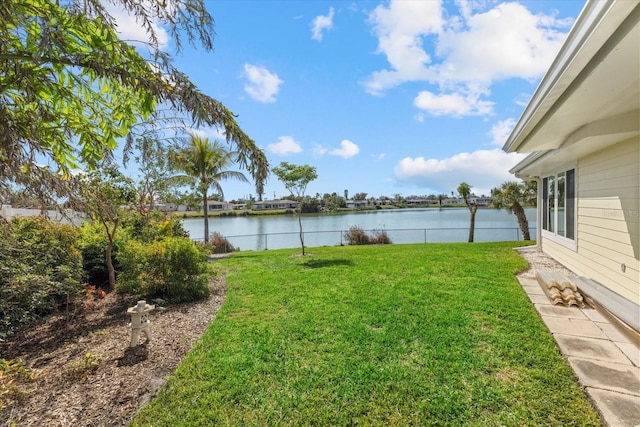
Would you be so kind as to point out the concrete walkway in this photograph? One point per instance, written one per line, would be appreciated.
(605, 361)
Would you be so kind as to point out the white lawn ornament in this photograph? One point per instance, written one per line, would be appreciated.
(140, 321)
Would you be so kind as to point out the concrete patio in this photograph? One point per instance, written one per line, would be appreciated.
(605, 361)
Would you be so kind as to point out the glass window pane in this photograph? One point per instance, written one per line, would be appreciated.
(561, 203)
(571, 203)
(552, 204)
(545, 203)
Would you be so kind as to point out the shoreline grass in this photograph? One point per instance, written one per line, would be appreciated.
(435, 334)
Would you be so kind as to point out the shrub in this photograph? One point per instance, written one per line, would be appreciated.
(153, 226)
(93, 244)
(173, 269)
(357, 236)
(220, 244)
(40, 270)
(380, 237)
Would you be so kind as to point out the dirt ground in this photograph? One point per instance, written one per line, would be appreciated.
(84, 372)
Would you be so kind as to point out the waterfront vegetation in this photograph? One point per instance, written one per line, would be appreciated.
(47, 267)
(429, 334)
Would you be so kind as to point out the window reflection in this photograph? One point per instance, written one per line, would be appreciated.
(561, 204)
(552, 204)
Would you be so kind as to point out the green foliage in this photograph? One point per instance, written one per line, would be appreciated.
(511, 195)
(153, 258)
(295, 179)
(203, 165)
(464, 190)
(56, 74)
(511, 192)
(93, 243)
(403, 335)
(80, 369)
(309, 205)
(40, 270)
(13, 374)
(357, 236)
(71, 90)
(153, 226)
(173, 268)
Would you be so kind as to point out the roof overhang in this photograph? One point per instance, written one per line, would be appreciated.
(590, 97)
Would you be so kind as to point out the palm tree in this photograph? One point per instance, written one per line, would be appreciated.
(464, 190)
(204, 164)
(510, 195)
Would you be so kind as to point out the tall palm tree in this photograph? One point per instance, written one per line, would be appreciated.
(204, 164)
(510, 195)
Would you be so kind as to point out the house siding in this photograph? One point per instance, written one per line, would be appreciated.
(608, 220)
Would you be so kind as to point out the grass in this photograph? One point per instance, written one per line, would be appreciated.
(394, 335)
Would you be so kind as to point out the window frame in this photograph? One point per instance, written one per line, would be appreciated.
(569, 176)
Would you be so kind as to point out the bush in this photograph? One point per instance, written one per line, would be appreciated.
(40, 270)
(380, 237)
(220, 244)
(357, 236)
(93, 244)
(156, 225)
(173, 269)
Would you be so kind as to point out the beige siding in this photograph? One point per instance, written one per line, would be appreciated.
(608, 224)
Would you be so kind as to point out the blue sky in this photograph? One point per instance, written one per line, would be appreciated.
(382, 97)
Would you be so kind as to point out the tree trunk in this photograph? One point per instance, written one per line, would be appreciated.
(108, 255)
(206, 216)
(472, 225)
(522, 220)
(300, 224)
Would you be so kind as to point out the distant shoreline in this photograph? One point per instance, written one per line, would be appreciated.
(273, 212)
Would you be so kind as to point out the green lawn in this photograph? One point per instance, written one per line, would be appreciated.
(396, 335)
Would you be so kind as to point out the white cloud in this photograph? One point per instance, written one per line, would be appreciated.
(464, 54)
(500, 131)
(130, 30)
(400, 28)
(321, 23)
(482, 169)
(207, 132)
(285, 145)
(452, 104)
(261, 85)
(505, 42)
(319, 150)
(347, 149)
(378, 157)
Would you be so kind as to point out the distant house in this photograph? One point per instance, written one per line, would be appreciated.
(215, 205)
(482, 201)
(582, 128)
(275, 204)
(65, 216)
(354, 204)
(452, 201)
(170, 207)
(418, 201)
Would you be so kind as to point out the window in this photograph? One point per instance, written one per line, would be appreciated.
(558, 204)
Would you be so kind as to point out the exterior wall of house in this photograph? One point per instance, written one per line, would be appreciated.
(608, 220)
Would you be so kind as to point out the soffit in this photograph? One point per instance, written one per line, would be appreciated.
(594, 79)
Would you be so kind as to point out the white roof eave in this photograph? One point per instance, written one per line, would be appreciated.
(539, 127)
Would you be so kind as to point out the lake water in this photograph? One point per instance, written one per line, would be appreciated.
(401, 225)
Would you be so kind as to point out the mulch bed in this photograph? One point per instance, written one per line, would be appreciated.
(83, 371)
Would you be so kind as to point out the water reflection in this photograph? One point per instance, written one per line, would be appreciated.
(401, 225)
